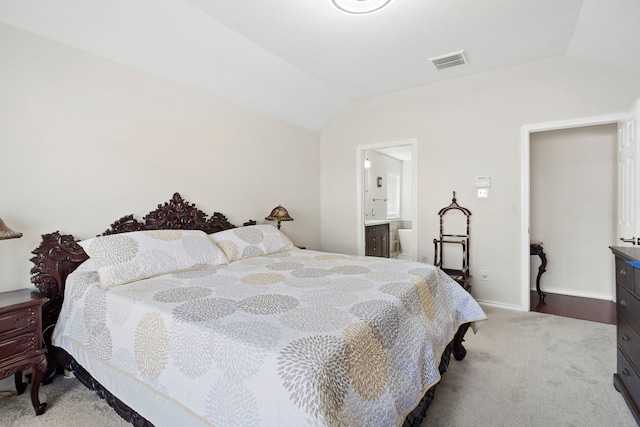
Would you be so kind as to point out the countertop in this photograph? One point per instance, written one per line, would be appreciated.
(376, 222)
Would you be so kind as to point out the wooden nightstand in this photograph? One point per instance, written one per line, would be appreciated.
(21, 340)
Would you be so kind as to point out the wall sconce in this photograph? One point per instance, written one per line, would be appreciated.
(279, 214)
(6, 232)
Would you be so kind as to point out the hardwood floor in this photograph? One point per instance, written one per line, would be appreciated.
(595, 310)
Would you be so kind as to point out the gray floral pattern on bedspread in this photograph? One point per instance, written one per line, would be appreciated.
(292, 338)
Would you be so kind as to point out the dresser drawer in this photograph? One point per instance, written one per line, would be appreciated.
(18, 320)
(624, 273)
(629, 376)
(628, 308)
(628, 340)
(19, 344)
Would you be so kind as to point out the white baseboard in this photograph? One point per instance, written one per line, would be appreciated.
(501, 305)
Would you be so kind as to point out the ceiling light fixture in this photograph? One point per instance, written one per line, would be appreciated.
(360, 7)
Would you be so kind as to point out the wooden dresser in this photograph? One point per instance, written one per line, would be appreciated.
(627, 377)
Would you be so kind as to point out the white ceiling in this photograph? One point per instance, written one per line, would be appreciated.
(304, 61)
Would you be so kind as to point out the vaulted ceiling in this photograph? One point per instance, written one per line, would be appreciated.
(304, 61)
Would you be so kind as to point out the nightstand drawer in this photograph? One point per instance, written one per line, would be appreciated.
(18, 320)
(20, 344)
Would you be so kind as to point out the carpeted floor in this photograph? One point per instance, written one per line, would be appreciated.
(532, 369)
(522, 369)
(69, 404)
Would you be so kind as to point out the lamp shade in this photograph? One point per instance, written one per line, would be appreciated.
(6, 232)
(279, 214)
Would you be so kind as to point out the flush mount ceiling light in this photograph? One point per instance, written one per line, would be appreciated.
(360, 6)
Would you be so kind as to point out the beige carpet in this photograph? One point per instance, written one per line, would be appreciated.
(532, 369)
(522, 369)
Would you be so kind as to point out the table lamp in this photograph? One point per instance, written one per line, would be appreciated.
(6, 232)
(279, 214)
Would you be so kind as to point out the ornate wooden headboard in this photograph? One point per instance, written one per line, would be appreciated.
(59, 254)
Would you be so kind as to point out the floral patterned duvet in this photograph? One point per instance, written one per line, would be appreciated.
(293, 338)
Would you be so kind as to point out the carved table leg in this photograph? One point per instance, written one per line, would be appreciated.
(38, 364)
(541, 270)
(536, 249)
(38, 372)
(20, 386)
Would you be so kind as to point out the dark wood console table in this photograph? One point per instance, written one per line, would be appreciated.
(535, 248)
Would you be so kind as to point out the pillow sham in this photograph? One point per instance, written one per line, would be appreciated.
(251, 241)
(127, 257)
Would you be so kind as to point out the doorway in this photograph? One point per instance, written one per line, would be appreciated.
(572, 210)
(526, 235)
(405, 151)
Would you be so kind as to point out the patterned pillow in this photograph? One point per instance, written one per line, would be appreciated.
(250, 241)
(127, 257)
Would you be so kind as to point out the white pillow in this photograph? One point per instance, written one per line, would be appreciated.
(250, 241)
(127, 257)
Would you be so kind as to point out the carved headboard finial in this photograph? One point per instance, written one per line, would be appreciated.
(176, 214)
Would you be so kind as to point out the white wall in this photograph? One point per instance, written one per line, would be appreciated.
(465, 128)
(375, 206)
(407, 191)
(572, 196)
(85, 141)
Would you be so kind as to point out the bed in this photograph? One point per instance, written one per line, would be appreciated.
(186, 319)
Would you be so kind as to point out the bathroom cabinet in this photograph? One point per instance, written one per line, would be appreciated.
(377, 240)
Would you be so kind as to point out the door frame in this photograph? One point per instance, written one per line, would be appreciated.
(413, 143)
(525, 146)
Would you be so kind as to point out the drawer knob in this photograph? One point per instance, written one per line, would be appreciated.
(623, 272)
(625, 372)
(624, 303)
(625, 338)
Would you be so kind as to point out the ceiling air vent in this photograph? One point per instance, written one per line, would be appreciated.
(449, 60)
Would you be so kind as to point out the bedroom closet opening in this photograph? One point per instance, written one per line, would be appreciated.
(387, 200)
(573, 214)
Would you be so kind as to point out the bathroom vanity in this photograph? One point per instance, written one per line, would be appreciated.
(377, 239)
